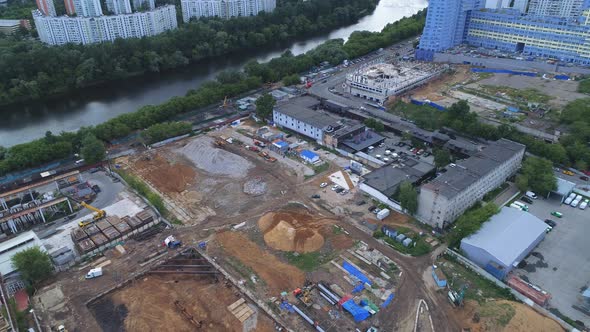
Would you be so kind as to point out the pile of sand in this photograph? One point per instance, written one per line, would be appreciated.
(292, 231)
(214, 160)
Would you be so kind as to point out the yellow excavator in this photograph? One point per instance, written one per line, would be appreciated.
(100, 214)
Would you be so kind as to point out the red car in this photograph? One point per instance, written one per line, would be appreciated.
(586, 172)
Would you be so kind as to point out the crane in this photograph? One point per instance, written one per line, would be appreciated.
(100, 214)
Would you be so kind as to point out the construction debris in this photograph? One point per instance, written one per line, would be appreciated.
(255, 187)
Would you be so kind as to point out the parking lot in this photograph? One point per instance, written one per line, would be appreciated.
(391, 144)
(560, 264)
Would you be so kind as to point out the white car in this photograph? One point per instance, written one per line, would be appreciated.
(568, 200)
(584, 204)
(323, 185)
(575, 203)
(335, 187)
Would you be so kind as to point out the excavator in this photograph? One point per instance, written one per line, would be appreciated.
(100, 214)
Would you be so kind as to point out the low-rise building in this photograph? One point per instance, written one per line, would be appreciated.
(383, 183)
(504, 241)
(445, 198)
(377, 82)
(14, 245)
(8, 27)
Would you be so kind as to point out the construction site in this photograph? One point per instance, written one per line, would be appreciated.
(258, 244)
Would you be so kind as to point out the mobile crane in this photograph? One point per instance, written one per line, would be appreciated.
(100, 214)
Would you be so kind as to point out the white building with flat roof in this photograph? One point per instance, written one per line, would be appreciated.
(377, 82)
(88, 30)
(10, 247)
(225, 8)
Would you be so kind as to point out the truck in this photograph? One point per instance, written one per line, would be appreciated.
(171, 242)
(260, 144)
(94, 273)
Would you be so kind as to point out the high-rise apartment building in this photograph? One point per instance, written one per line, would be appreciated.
(88, 8)
(224, 8)
(140, 5)
(70, 7)
(118, 6)
(559, 8)
(46, 7)
(561, 32)
(87, 30)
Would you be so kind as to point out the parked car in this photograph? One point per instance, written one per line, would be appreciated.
(526, 200)
(566, 172)
(531, 194)
(557, 214)
(575, 203)
(96, 188)
(315, 196)
(584, 204)
(361, 203)
(371, 208)
(550, 222)
(323, 185)
(585, 178)
(335, 187)
(339, 190)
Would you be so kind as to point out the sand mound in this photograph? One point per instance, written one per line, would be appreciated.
(292, 231)
(214, 160)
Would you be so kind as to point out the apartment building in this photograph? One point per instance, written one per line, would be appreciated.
(118, 6)
(445, 198)
(87, 30)
(224, 8)
(46, 7)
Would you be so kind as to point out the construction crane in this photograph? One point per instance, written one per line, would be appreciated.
(100, 214)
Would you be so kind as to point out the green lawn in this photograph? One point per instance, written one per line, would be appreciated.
(419, 247)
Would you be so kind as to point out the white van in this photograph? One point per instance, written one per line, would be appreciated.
(531, 194)
(94, 273)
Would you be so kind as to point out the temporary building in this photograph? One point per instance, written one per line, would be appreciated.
(504, 240)
(309, 156)
(358, 313)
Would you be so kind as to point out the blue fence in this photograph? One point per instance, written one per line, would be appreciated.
(387, 301)
(428, 103)
(503, 71)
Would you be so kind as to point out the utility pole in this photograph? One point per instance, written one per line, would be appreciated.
(36, 320)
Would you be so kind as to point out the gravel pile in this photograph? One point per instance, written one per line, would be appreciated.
(255, 187)
(213, 160)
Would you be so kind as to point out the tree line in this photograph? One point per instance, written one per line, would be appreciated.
(31, 70)
(228, 83)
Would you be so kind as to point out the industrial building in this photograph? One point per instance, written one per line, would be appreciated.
(504, 241)
(444, 199)
(544, 28)
(305, 115)
(8, 27)
(377, 82)
(225, 8)
(383, 183)
(11, 246)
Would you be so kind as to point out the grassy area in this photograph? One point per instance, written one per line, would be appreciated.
(425, 117)
(502, 313)
(529, 95)
(145, 191)
(337, 230)
(575, 323)
(584, 86)
(494, 193)
(480, 289)
(244, 271)
(419, 247)
(321, 167)
(308, 261)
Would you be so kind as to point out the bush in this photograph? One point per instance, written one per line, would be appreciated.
(162, 131)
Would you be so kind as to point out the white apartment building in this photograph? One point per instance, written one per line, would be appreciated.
(88, 8)
(561, 8)
(119, 6)
(87, 30)
(224, 8)
(445, 198)
(144, 4)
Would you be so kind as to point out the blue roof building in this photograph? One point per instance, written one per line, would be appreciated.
(309, 156)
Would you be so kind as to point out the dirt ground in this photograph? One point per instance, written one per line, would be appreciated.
(293, 230)
(277, 275)
(168, 176)
(506, 316)
(432, 90)
(148, 305)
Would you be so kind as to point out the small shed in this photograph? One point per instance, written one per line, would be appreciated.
(400, 237)
(407, 242)
(280, 146)
(309, 156)
(439, 277)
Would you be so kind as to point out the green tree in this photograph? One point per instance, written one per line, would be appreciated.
(92, 149)
(291, 80)
(522, 182)
(470, 222)
(374, 124)
(33, 264)
(408, 197)
(537, 174)
(442, 157)
(264, 106)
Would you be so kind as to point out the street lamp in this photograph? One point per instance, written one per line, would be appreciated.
(32, 311)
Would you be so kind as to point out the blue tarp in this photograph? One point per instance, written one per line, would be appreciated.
(429, 103)
(513, 109)
(355, 272)
(387, 301)
(358, 313)
(358, 288)
(562, 77)
(503, 71)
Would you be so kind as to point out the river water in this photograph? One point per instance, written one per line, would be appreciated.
(20, 124)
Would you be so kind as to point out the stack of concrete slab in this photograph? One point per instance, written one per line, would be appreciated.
(91, 230)
(241, 310)
(99, 239)
(111, 233)
(145, 216)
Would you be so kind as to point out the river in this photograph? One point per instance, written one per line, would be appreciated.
(92, 106)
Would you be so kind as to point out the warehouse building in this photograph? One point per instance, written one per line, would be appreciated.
(445, 198)
(504, 241)
(14, 245)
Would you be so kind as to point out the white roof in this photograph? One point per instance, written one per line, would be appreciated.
(10, 247)
(507, 234)
(564, 187)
